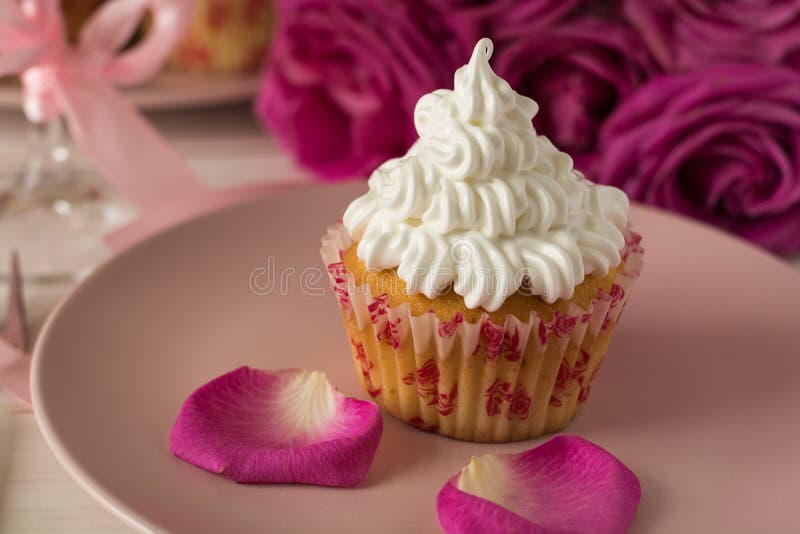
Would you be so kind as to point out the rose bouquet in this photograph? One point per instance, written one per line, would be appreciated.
(691, 105)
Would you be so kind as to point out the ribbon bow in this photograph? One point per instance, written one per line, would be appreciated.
(77, 82)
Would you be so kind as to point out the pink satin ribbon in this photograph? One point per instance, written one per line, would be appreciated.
(79, 84)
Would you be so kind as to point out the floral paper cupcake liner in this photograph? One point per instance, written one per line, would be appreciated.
(478, 381)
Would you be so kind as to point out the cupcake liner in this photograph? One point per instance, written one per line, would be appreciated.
(479, 381)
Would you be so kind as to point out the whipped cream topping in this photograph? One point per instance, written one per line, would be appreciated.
(483, 205)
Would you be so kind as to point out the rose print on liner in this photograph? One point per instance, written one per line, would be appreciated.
(544, 332)
(427, 379)
(338, 278)
(448, 328)
(428, 375)
(617, 294)
(388, 331)
(633, 245)
(520, 405)
(365, 365)
(428, 372)
(501, 398)
(497, 342)
(581, 366)
(567, 374)
(563, 324)
(445, 402)
(496, 395)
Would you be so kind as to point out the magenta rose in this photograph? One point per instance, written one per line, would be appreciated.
(343, 77)
(689, 34)
(578, 72)
(499, 19)
(721, 145)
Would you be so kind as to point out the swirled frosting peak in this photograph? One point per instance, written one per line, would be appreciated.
(483, 205)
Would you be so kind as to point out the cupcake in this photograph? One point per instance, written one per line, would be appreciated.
(481, 277)
(226, 37)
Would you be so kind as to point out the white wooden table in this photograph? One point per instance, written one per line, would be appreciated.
(36, 494)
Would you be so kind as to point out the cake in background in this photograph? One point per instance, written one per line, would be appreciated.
(75, 14)
(226, 37)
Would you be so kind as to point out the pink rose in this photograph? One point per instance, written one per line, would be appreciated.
(428, 374)
(448, 328)
(578, 71)
(343, 78)
(560, 388)
(544, 332)
(361, 354)
(617, 294)
(338, 271)
(564, 377)
(390, 333)
(499, 19)
(511, 346)
(719, 144)
(445, 403)
(563, 324)
(692, 34)
(339, 284)
(520, 403)
(581, 366)
(493, 407)
(493, 337)
(378, 307)
(496, 395)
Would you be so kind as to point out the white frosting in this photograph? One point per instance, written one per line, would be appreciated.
(482, 204)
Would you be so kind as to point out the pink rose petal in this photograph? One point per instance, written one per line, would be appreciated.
(564, 485)
(277, 426)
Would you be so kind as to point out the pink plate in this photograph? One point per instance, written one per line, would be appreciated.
(699, 395)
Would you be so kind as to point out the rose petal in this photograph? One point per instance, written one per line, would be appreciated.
(564, 485)
(277, 426)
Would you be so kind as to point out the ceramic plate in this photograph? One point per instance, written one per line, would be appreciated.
(698, 395)
(169, 90)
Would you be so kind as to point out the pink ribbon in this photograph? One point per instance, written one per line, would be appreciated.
(79, 84)
(15, 372)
